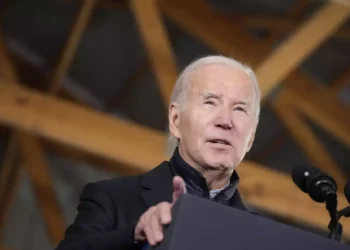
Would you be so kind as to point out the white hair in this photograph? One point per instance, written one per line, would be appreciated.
(181, 86)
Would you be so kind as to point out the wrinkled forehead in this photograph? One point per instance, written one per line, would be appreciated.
(224, 80)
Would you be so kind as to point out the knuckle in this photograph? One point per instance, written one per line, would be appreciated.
(163, 205)
(152, 209)
(143, 219)
(148, 213)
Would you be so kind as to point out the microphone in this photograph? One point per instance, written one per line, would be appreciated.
(320, 186)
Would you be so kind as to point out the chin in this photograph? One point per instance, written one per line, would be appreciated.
(217, 159)
(222, 164)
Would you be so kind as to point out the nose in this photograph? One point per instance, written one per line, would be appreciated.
(224, 119)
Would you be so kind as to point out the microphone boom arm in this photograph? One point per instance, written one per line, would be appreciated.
(334, 226)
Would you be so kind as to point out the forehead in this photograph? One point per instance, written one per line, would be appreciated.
(225, 80)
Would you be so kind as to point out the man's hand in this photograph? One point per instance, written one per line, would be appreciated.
(150, 224)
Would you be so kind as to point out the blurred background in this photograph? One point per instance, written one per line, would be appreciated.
(85, 86)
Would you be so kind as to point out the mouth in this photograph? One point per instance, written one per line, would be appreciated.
(220, 141)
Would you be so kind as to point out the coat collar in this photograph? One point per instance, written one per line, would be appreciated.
(196, 183)
(157, 185)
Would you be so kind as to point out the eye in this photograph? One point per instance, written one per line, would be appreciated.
(209, 102)
(240, 109)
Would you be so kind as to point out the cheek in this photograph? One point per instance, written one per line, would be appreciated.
(244, 129)
(189, 126)
(196, 121)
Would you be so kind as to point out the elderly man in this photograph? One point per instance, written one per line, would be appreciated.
(213, 116)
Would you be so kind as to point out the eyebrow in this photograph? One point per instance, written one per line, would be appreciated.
(211, 95)
(243, 103)
(218, 96)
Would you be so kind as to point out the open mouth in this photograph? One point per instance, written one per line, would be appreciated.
(220, 141)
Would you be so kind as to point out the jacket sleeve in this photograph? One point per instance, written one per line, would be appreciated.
(94, 225)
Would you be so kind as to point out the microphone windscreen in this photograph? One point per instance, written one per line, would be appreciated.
(347, 191)
(299, 177)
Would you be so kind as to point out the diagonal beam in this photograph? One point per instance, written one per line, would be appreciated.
(71, 45)
(36, 167)
(43, 116)
(278, 25)
(321, 105)
(212, 28)
(31, 148)
(10, 169)
(209, 23)
(9, 179)
(30, 143)
(283, 105)
(122, 94)
(306, 39)
(156, 41)
(118, 141)
(295, 11)
(304, 136)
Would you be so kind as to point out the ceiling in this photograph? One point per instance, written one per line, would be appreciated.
(110, 71)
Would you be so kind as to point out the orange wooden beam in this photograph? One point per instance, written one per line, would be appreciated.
(321, 105)
(271, 67)
(44, 116)
(36, 167)
(30, 143)
(283, 105)
(118, 141)
(278, 25)
(156, 41)
(9, 179)
(306, 39)
(71, 45)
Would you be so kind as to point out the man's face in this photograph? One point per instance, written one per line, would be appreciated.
(217, 123)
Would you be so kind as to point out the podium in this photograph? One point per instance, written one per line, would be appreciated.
(200, 224)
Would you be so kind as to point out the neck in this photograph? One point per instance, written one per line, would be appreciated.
(216, 178)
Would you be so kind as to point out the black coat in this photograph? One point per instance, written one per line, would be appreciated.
(109, 210)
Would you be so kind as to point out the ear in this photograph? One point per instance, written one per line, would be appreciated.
(174, 120)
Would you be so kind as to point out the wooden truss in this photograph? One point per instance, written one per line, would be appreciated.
(39, 118)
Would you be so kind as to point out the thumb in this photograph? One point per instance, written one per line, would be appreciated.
(179, 187)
